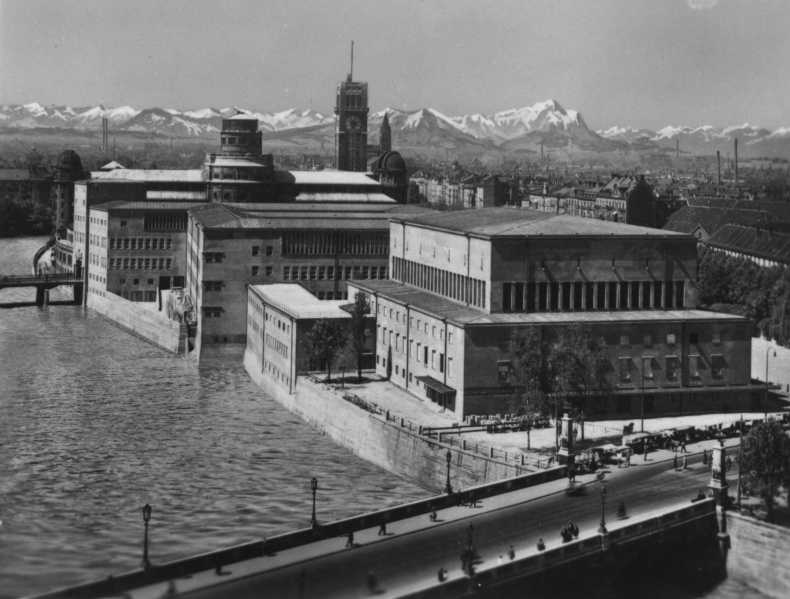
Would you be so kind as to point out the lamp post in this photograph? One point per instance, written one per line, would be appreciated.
(314, 488)
(449, 457)
(602, 528)
(740, 444)
(146, 518)
(765, 403)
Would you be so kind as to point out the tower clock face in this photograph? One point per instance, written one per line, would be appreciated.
(353, 123)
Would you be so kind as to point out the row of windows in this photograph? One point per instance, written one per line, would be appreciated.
(141, 243)
(415, 323)
(256, 250)
(277, 345)
(98, 260)
(281, 324)
(327, 273)
(332, 295)
(336, 243)
(95, 220)
(671, 338)
(212, 312)
(256, 271)
(141, 263)
(98, 241)
(139, 296)
(97, 278)
(380, 359)
(581, 296)
(276, 372)
(135, 281)
(458, 287)
(649, 365)
(164, 221)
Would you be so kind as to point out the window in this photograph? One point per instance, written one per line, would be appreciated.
(625, 369)
(694, 366)
(212, 257)
(123, 223)
(716, 338)
(150, 281)
(433, 359)
(449, 367)
(212, 285)
(256, 250)
(504, 367)
(648, 340)
(255, 270)
(286, 273)
(441, 362)
(624, 340)
(647, 367)
(693, 338)
(425, 356)
(269, 271)
(269, 250)
(137, 281)
(671, 339)
(211, 312)
(672, 366)
(717, 365)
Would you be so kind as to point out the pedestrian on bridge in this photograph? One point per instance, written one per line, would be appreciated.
(350, 542)
(675, 462)
(511, 553)
(433, 514)
(541, 545)
(442, 574)
(383, 529)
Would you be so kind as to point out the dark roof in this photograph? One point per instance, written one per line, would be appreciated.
(779, 210)
(688, 218)
(514, 222)
(130, 205)
(754, 242)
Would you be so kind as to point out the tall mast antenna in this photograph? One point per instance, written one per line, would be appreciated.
(352, 61)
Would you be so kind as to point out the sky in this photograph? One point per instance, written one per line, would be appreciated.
(639, 63)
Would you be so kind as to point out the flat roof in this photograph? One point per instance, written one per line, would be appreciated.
(324, 178)
(519, 222)
(151, 175)
(371, 198)
(295, 301)
(463, 315)
(175, 195)
(129, 205)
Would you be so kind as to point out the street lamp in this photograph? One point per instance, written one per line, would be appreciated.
(765, 403)
(449, 457)
(146, 518)
(740, 445)
(602, 528)
(314, 488)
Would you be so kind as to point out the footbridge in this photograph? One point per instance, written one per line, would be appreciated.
(650, 511)
(44, 283)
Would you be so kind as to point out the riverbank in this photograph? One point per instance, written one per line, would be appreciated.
(384, 441)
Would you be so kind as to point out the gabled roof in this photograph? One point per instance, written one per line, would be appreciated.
(689, 218)
(754, 242)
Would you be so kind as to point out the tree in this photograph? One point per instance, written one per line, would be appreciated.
(526, 363)
(579, 369)
(765, 461)
(359, 330)
(324, 341)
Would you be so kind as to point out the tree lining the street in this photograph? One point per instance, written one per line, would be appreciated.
(324, 342)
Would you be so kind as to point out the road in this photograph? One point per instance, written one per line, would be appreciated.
(413, 550)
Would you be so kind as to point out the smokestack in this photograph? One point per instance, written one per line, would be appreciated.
(718, 170)
(736, 161)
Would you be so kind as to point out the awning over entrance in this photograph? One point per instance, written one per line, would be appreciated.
(437, 386)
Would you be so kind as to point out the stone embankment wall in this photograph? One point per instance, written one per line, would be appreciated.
(758, 555)
(385, 443)
(151, 326)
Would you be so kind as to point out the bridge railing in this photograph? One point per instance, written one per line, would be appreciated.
(255, 549)
(536, 560)
(48, 278)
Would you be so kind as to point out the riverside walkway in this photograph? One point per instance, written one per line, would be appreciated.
(318, 562)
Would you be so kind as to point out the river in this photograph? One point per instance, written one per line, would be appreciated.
(94, 423)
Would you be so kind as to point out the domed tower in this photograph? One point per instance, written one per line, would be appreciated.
(390, 170)
(240, 172)
(68, 169)
(385, 135)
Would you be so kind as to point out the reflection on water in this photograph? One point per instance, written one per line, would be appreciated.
(94, 423)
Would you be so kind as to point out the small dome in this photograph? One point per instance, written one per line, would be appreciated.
(390, 161)
(69, 159)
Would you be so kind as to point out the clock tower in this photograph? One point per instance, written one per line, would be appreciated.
(351, 124)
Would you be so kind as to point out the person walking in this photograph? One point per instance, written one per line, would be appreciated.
(683, 447)
(728, 462)
(647, 450)
(685, 462)
(433, 514)
(675, 462)
(442, 574)
(574, 529)
(704, 457)
(350, 541)
(621, 513)
(383, 529)
(511, 553)
(541, 545)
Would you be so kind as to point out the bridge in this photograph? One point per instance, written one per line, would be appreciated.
(43, 283)
(491, 520)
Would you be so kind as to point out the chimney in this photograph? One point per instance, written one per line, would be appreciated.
(736, 161)
(718, 170)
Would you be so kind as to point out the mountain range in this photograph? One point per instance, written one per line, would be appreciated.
(544, 127)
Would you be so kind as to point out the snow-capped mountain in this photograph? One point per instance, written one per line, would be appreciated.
(543, 126)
